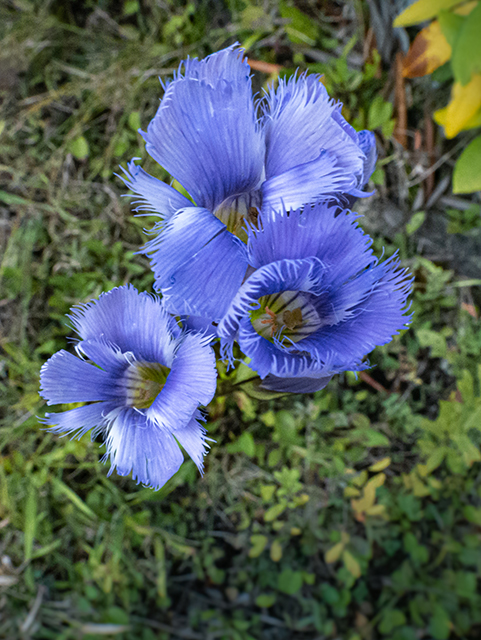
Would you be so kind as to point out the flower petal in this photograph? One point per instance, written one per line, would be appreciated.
(65, 378)
(134, 444)
(192, 438)
(294, 385)
(198, 265)
(79, 420)
(155, 196)
(205, 132)
(191, 381)
(131, 321)
(299, 122)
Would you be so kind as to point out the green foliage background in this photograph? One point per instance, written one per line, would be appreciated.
(353, 513)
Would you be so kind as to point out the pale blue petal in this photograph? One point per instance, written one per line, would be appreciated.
(65, 378)
(193, 438)
(191, 381)
(155, 196)
(300, 122)
(131, 321)
(135, 445)
(205, 132)
(77, 422)
(198, 265)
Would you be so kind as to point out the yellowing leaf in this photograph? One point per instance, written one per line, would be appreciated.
(465, 9)
(380, 464)
(464, 105)
(423, 10)
(351, 564)
(376, 510)
(276, 551)
(429, 51)
(258, 543)
(334, 553)
(351, 492)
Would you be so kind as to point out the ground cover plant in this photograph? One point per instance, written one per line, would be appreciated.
(354, 512)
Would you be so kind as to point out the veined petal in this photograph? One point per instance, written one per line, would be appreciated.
(299, 123)
(294, 385)
(134, 444)
(205, 132)
(191, 381)
(65, 378)
(77, 422)
(192, 437)
(131, 321)
(305, 183)
(198, 264)
(155, 196)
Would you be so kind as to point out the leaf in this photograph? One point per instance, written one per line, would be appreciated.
(450, 24)
(265, 600)
(289, 581)
(391, 619)
(466, 58)
(380, 112)
(462, 109)
(351, 564)
(434, 340)
(472, 514)
(380, 465)
(276, 551)
(245, 444)
(334, 553)
(79, 148)
(422, 10)
(467, 172)
(274, 512)
(429, 50)
(30, 522)
(439, 625)
(417, 220)
(259, 543)
(301, 29)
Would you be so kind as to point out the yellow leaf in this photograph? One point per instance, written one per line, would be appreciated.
(380, 464)
(334, 553)
(295, 531)
(345, 537)
(464, 106)
(351, 492)
(429, 51)
(376, 481)
(276, 551)
(465, 9)
(351, 564)
(376, 510)
(423, 10)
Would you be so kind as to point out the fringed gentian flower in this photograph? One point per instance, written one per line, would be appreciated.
(236, 159)
(143, 380)
(317, 302)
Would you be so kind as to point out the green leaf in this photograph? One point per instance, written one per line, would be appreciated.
(274, 512)
(301, 29)
(258, 543)
(351, 564)
(79, 148)
(416, 221)
(434, 340)
(467, 172)
(466, 57)
(472, 514)
(439, 625)
(423, 10)
(30, 522)
(380, 112)
(244, 444)
(289, 581)
(392, 619)
(134, 121)
(450, 24)
(265, 600)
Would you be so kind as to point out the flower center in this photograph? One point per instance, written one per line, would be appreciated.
(288, 314)
(143, 382)
(234, 210)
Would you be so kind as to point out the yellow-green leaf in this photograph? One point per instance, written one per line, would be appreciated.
(276, 551)
(423, 10)
(467, 172)
(351, 564)
(334, 553)
(258, 543)
(466, 58)
(380, 464)
(463, 107)
(274, 512)
(429, 50)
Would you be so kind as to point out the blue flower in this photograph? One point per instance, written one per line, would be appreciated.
(317, 302)
(143, 380)
(236, 158)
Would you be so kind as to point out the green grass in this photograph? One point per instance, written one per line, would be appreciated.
(352, 513)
